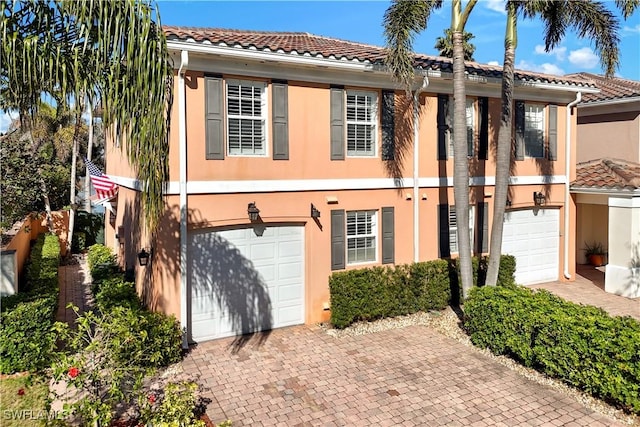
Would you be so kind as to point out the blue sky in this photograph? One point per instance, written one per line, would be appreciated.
(361, 21)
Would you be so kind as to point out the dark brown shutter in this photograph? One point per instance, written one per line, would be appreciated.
(388, 125)
(388, 239)
(337, 123)
(483, 143)
(337, 239)
(280, 119)
(214, 118)
(553, 132)
(443, 224)
(482, 227)
(519, 130)
(443, 126)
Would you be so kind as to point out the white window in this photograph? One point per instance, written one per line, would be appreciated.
(246, 118)
(362, 123)
(534, 130)
(470, 122)
(453, 228)
(362, 233)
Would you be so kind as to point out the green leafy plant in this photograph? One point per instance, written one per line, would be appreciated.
(173, 406)
(594, 248)
(581, 345)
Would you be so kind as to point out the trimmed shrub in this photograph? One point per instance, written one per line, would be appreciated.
(79, 242)
(27, 340)
(102, 264)
(581, 345)
(115, 292)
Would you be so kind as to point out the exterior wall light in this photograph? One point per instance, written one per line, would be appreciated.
(538, 198)
(315, 213)
(253, 211)
(144, 257)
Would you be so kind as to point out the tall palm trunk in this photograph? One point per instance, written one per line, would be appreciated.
(74, 160)
(461, 164)
(87, 178)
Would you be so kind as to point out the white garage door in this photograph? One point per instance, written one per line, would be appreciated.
(245, 280)
(532, 236)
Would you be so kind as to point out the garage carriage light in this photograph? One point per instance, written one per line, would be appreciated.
(144, 257)
(253, 211)
(538, 198)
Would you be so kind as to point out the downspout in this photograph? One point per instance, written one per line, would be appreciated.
(567, 169)
(416, 165)
(182, 126)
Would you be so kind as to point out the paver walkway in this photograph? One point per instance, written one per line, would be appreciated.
(75, 287)
(588, 288)
(409, 376)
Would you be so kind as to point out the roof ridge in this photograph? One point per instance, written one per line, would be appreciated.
(619, 172)
(234, 30)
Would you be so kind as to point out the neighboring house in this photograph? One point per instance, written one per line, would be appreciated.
(607, 187)
(293, 156)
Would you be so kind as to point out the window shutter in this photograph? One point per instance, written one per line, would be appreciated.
(388, 236)
(388, 125)
(553, 132)
(337, 239)
(337, 123)
(482, 242)
(214, 118)
(280, 94)
(443, 222)
(519, 130)
(443, 126)
(483, 146)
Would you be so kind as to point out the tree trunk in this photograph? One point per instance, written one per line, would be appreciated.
(87, 178)
(74, 160)
(461, 164)
(47, 205)
(503, 160)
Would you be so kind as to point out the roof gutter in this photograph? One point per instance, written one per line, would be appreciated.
(416, 165)
(567, 170)
(182, 129)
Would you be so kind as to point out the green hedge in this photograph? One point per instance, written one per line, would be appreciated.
(379, 292)
(581, 345)
(26, 337)
(102, 264)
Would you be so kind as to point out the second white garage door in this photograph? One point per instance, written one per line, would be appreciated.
(245, 280)
(533, 237)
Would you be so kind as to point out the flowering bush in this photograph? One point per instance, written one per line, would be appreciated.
(173, 405)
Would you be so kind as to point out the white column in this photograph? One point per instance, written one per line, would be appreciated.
(622, 275)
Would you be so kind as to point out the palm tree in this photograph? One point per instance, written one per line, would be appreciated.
(591, 19)
(115, 50)
(445, 45)
(402, 21)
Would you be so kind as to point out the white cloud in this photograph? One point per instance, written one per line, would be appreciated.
(496, 63)
(583, 58)
(632, 30)
(6, 117)
(546, 68)
(495, 5)
(560, 53)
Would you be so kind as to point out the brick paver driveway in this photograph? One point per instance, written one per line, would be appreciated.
(409, 376)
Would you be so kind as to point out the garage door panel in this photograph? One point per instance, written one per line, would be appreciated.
(241, 282)
(532, 236)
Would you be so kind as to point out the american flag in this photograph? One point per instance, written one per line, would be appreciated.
(105, 187)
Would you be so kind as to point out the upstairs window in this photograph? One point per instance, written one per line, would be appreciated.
(246, 118)
(470, 120)
(534, 130)
(362, 123)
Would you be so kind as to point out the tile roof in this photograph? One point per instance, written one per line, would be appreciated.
(331, 48)
(610, 88)
(607, 173)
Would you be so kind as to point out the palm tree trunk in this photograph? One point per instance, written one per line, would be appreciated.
(461, 164)
(87, 178)
(503, 160)
(47, 205)
(74, 160)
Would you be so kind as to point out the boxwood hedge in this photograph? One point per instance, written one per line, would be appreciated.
(581, 345)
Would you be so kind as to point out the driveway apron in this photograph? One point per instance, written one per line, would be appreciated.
(409, 376)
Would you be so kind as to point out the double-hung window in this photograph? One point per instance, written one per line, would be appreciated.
(470, 120)
(246, 118)
(453, 228)
(362, 123)
(534, 130)
(362, 234)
